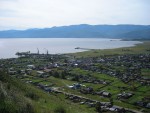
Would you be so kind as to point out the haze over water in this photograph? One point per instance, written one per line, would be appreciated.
(8, 46)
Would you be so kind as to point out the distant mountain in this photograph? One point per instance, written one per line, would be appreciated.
(139, 34)
(83, 31)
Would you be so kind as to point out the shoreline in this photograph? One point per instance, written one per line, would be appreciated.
(82, 49)
(143, 47)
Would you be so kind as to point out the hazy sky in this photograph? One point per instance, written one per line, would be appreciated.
(23, 14)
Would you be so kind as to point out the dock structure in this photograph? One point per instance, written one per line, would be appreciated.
(84, 48)
(29, 54)
(23, 54)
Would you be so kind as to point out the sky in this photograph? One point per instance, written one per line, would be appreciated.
(25, 14)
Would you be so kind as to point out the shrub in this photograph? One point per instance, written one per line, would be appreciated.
(7, 107)
(32, 95)
(60, 109)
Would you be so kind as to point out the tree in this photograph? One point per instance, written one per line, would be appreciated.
(56, 74)
(98, 107)
(76, 78)
(111, 101)
(63, 74)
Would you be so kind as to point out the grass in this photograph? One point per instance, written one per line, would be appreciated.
(146, 72)
(139, 48)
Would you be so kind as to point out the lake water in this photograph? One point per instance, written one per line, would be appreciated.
(8, 46)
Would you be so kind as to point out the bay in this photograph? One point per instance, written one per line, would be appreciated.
(9, 46)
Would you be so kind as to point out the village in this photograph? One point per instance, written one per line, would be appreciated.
(117, 83)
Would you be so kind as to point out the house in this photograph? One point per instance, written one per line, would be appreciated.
(99, 92)
(106, 94)
(23, 72)
(75, 86)
(148, 105)
(87, 90)
(28, 71)
(90, 104)
(11, 71)
(141, 103)
(103, 93)
(113, 109)
(47, 89)
(40, 73)
(30, 66)
(125, 95)
(47, 70)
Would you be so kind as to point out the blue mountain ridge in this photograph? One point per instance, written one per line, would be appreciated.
(83, 31)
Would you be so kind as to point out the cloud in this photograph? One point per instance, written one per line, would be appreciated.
(24, 14)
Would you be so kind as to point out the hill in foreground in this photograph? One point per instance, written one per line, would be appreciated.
(17, 97)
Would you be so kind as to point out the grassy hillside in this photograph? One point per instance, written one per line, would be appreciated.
(17, 97)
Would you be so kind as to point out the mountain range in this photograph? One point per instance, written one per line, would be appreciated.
(83, 31)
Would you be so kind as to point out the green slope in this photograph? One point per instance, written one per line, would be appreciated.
(17, 97)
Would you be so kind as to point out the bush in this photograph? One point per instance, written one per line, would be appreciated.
(98, 107)
(8, 107)
(3, 76)
(60, 109)
(32, 95)
(29, 108)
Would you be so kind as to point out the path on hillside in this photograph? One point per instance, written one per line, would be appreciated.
(65, 93)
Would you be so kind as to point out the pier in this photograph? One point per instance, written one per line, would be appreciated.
(84, 48)
(29, 54)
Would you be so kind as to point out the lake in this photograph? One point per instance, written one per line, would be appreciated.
(9, 46)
